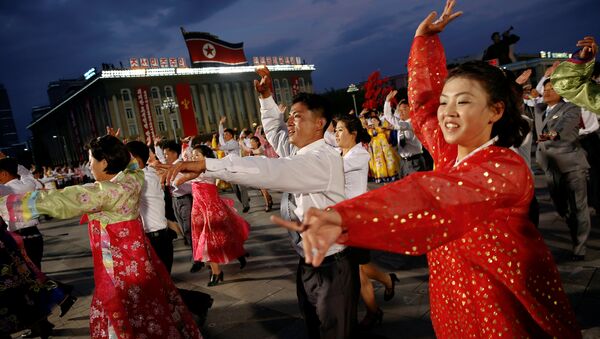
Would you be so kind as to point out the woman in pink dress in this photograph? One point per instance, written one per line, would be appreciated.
(134, 296)
(218, 231)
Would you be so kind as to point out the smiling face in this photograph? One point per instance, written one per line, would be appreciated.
(465, 114)
(304, 126)
(403, 111)
(343, 137)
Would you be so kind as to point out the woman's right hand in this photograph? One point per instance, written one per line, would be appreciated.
(430, 26)
(321, 229)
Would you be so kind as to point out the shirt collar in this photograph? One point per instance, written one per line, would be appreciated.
(312, 146)
(484, 146)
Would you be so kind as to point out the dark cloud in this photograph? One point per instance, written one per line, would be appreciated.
(278, 47)
(46, 40)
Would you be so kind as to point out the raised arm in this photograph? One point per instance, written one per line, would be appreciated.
(63, 204)
(270, 115)
(427, 72)
(572, 79)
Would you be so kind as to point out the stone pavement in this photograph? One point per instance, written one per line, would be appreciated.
(260, 301)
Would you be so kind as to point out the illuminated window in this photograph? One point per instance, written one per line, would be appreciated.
(155, 93)
(168, 91)
(129, 113)
(277, 88)
(126, 95)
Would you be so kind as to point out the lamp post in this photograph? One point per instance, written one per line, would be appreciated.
(170, 104)
(353, 89)
(64, 142)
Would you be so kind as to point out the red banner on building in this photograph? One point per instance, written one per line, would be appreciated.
(186, 108)
(145, 113)
(207, 50)
(295, 86)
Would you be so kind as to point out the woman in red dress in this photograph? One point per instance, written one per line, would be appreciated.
(218, 231)
(491, 273)
(134, 296)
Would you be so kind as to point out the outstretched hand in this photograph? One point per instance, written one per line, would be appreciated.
(524, 77)
(431, 26)
(551, 69)
(589, 47)
(111, 131)
(263, 87)
(180, 172)
(320, 230)
(391, 95)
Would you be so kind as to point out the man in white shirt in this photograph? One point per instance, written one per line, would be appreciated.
(409, 146)
(313, 172)
(152, 206)
(181, 194)
(229, 145)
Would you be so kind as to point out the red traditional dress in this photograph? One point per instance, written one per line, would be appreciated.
(491, 273)
(218, 231)
(134, 296)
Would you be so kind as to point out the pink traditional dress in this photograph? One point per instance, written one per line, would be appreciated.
(218, 231)
(491, 274)
(134, 296)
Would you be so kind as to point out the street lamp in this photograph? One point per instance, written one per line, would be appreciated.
(353, 89)
(170, 104)
(67, 157)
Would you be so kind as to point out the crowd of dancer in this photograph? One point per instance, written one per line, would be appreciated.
(474, 215)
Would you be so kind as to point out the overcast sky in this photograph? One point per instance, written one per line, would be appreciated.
(42, 41)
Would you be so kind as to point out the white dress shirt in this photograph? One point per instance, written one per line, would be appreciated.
(183, 189)
(356, 171)
(152, 202)
(314, 175)
(229, 147)
(405, 132)
(590, 122)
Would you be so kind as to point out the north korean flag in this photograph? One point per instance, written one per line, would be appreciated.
(206, 50)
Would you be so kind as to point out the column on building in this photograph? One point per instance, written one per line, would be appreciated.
(205, 102)
(198, 112)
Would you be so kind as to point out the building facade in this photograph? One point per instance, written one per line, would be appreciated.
(166, 102)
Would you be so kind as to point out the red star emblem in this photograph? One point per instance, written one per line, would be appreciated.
(209, 50)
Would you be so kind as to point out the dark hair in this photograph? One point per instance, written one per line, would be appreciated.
(500, 86)
(10, 165)
(139, 149)
(545, 82)
(256, 139)
(112, 150)
(494, 34)
(596, 70)
(171, 145)
(316, 104)
(353, 124)
(205, 150)
(229, 130)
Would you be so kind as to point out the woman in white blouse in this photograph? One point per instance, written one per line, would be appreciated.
(349, 137)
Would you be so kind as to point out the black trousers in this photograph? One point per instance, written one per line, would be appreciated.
(162, 242)
(328, 296)
(34, 244)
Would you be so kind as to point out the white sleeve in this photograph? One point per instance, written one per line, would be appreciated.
(540, 85)
(221, 135)
(274, 127)
(330, 139)
(387, 114)
(307, 173)
(160, 155)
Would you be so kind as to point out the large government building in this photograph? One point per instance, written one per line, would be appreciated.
(164, 97)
